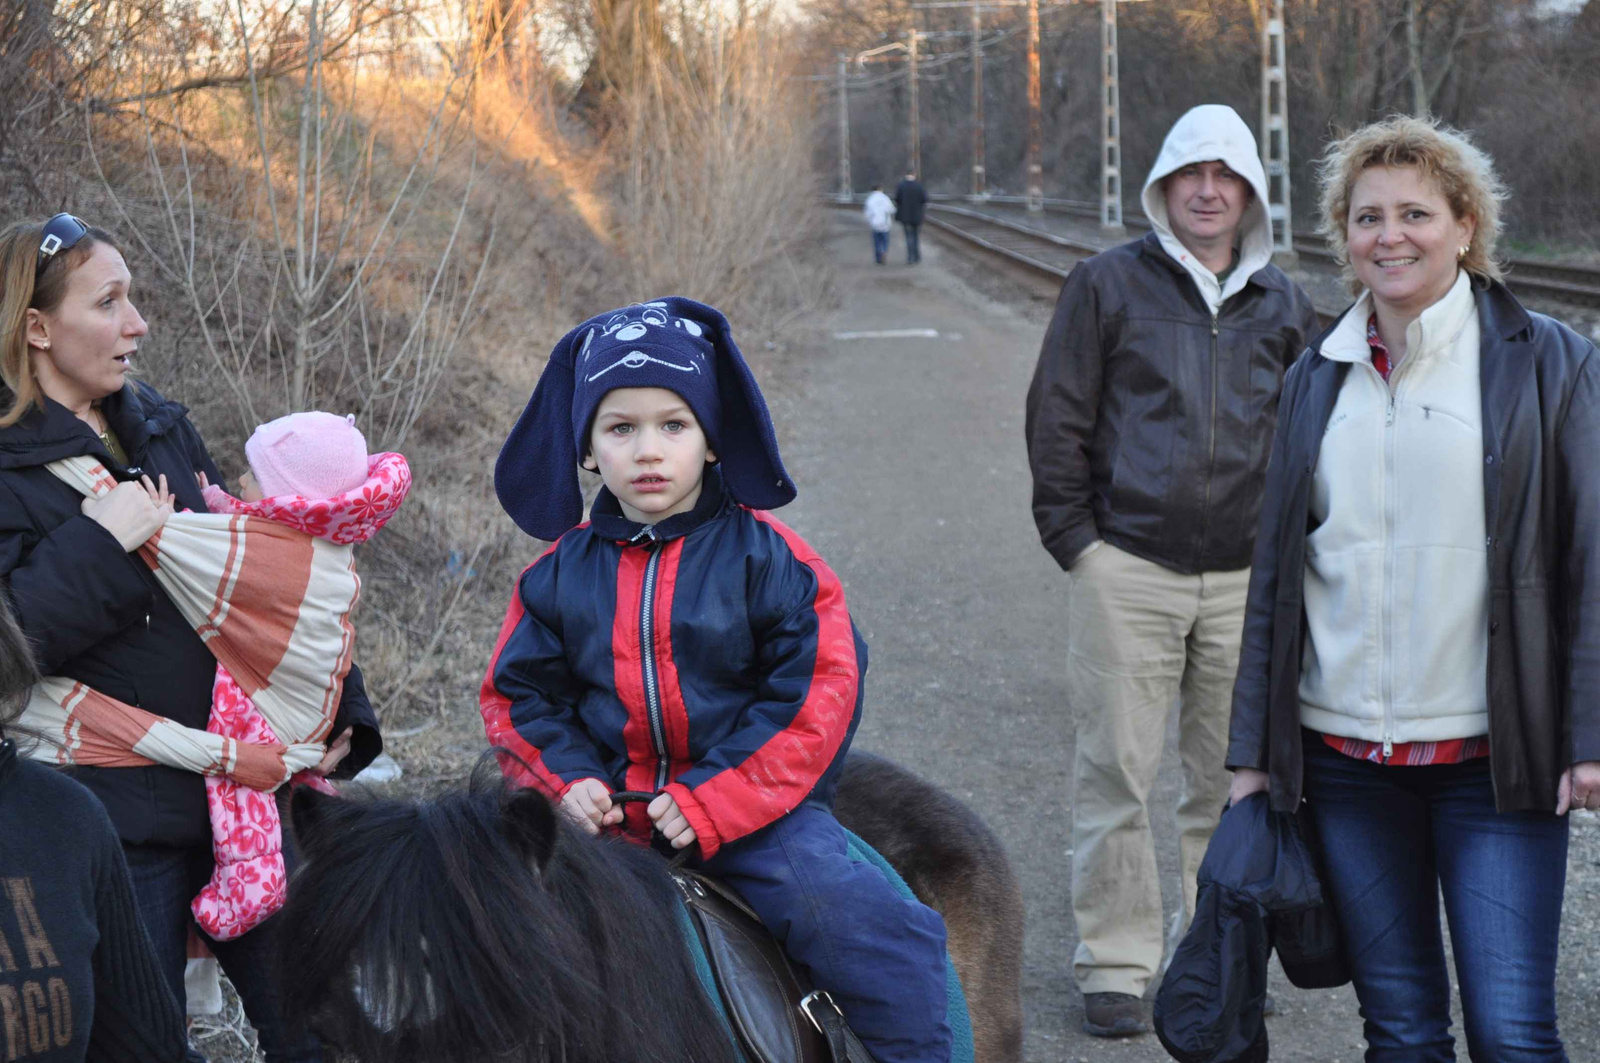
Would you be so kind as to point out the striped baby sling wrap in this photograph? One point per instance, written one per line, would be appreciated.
(269, 588)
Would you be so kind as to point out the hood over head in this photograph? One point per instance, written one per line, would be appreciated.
(1213, 132)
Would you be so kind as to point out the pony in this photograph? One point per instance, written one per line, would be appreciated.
(481, 925)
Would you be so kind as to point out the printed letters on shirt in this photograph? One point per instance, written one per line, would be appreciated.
(35, 1010)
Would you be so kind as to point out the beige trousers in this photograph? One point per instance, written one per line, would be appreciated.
(1141, 637)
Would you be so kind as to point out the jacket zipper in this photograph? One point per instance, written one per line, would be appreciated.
(1211, 469)
(647, 657)
(1386, 636)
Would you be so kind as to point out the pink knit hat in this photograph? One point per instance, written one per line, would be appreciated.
(313, 455)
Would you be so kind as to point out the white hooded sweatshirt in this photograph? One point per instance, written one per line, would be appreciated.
(879, 211)
(1213, 132)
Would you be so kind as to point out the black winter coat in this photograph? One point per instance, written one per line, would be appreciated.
(1259, 889)
(910, 202)
(1149, 421)
(96, 614)
(1541, 439)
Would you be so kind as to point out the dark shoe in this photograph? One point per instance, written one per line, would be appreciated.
(1113, 1015)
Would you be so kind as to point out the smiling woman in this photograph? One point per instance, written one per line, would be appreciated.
(1420, 643)
(1453, 169)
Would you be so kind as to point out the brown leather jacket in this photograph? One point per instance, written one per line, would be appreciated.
(1541, 443)
(1149, 420)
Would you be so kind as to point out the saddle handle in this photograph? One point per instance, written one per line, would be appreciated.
(680, 856)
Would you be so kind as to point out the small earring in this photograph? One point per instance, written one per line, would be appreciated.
(1463, 252)
(46, 346)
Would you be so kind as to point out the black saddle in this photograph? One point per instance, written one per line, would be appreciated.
(777, 1016)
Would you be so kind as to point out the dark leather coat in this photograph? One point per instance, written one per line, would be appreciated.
(96, 614)
(1541, 446)
(1149, 420)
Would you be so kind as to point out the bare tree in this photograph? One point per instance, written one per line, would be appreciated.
(293, 297)
(718, 183)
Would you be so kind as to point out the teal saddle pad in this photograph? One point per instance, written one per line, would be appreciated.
(961, 1050)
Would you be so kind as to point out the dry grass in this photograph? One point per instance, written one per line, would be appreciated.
(461, 228)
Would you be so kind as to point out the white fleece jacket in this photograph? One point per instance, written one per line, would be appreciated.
(879, 211)
(1397, 575)
(1213, 132)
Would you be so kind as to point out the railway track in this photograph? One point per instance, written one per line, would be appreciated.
(1573, 285)
(1050, 254)
(1034, 249)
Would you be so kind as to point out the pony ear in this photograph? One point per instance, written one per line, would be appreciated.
(309, 813)
(528, 821)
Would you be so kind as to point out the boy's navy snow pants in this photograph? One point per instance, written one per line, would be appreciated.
(880, 955)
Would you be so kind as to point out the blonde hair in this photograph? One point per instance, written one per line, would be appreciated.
(24, 288)
(1446, 156)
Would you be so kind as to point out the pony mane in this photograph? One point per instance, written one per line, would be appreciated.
(481, 925)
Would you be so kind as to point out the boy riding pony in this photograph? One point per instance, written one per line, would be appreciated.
(685, 643)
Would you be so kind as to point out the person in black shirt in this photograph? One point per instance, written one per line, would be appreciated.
(78, 975)
(910, 201)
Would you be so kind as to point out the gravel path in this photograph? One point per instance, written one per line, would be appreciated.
(914, 486)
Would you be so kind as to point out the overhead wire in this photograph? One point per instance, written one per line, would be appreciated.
(936, 61)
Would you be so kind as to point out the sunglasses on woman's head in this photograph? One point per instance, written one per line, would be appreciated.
(61, 233)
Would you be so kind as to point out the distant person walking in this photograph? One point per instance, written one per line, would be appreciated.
(1422, 645)
(1148, 425)
(879, 211)
(910, 202)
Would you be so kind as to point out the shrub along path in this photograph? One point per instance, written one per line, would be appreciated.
(914, 485)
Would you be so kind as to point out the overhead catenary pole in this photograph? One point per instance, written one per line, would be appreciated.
(846, 190)
(1275, 134)
(1035, 122)
(1110, 122)
(916, 115)
(979, 189)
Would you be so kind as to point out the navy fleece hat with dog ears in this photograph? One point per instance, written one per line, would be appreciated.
(671, 343)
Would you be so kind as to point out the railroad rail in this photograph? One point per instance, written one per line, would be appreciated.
(1034, 249)
(1574, 285)
(1050, 254)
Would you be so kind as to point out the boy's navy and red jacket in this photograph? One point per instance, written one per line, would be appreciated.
(710, 655)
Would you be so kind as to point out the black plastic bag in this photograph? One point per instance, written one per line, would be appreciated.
(1258, 887)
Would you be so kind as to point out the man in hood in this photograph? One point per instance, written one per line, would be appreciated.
(1149, 422)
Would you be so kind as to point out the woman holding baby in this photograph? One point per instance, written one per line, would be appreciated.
(92, 610)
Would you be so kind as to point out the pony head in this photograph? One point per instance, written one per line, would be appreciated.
(480, 925)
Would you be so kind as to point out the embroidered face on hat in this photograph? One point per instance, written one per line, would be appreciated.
(645, 346)
(674, 343)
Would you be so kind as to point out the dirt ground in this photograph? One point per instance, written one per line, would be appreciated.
(913, 484)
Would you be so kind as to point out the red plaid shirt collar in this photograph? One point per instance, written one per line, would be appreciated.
(1380, 353)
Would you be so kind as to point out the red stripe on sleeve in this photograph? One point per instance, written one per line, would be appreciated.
(495, 707)
(774, 779)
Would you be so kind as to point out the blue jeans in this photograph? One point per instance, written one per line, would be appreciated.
(165, 880)
(880, 245)
(913, 243)
(879, 954)
(1392, 838)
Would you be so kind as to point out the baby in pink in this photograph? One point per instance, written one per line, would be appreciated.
(310, 471)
